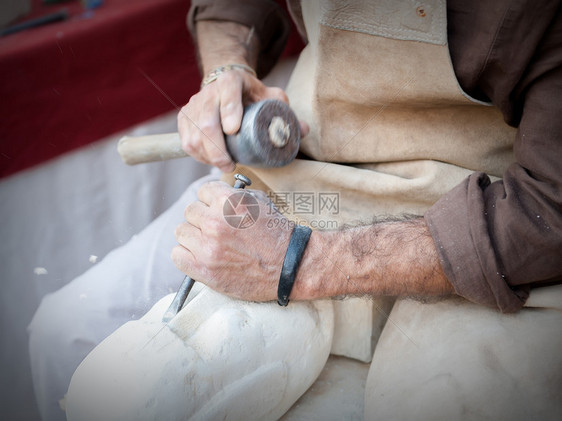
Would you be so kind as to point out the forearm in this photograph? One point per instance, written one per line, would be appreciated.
(221, 42)
(394, 258)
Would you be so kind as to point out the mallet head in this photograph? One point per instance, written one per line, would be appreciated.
(269, 135)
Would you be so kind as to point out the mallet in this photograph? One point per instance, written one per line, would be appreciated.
(269, 137)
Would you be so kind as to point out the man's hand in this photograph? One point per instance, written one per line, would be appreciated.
(241, 262)
(219, 106)
(218, 109)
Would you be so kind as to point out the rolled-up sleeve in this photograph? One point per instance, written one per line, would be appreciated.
(270, 22)
(497, 240)
(461, 232)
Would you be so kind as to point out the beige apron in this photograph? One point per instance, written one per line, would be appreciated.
(391, 130)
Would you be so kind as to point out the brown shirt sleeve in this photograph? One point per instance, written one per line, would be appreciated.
(269, 20)
(498, 239)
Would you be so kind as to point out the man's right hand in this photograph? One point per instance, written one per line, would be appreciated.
(217, 110)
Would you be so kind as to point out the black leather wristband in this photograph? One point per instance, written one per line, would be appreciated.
(297, 245)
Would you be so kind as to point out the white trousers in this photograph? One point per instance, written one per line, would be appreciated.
(448, 360)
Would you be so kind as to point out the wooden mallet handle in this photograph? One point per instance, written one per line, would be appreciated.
(141, 149)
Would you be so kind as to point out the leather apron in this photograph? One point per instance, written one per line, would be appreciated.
(391, 130)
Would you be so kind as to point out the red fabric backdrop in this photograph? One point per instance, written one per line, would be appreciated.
(67, 84)
(70, 83)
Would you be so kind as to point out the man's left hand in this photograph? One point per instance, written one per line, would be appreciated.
(234, 241)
